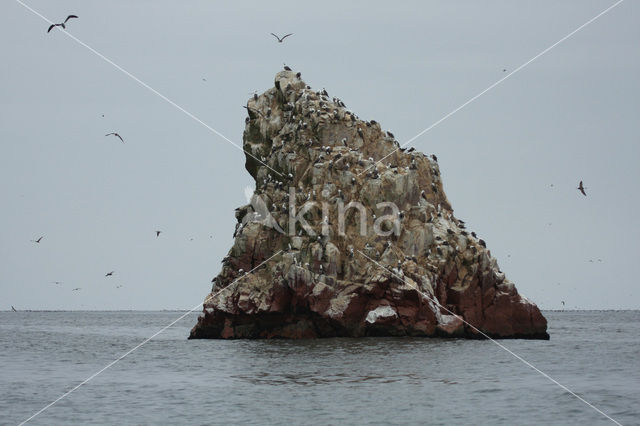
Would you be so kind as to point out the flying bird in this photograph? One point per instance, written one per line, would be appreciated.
(158, 233)
(62, 24)
(280, 39)
(116, 135)
(118, 286)
(38, 240)
(76, 289)
(109, 274)
(582, 188)
(13, 309)
(57, 282)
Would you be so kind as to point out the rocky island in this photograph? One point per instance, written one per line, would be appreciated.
(347, 234)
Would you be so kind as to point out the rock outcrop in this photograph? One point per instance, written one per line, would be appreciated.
(347, 235)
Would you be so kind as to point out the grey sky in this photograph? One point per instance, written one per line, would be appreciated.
(570, 115)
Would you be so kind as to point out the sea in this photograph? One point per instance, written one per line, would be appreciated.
(337, 381)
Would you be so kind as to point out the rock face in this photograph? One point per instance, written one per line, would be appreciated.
(336, 243)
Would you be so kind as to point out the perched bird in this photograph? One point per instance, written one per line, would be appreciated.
(109, 273)
(581, 188)
(62, 24)
(38, 240)
(281, 39)
(158, 233)
(116, 135)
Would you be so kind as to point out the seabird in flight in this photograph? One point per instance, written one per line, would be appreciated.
(62, 24)
(109, 274)
(116, 135)
(281, 39)
(581, 188)
(13, 309)
(38, 240)
(158, 233)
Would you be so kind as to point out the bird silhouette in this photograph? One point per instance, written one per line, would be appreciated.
(562, 303)
(108, 274)
(76, 289)
(13, 309)
(158, 233)
(582, 188)
(38, 240)
(56, 282)
(116, 135)
(118, 286)
(61, 24)
(280, 39)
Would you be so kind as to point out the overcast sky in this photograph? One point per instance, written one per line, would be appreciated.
(570, 115)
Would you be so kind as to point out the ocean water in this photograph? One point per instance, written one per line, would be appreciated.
(172, 380)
